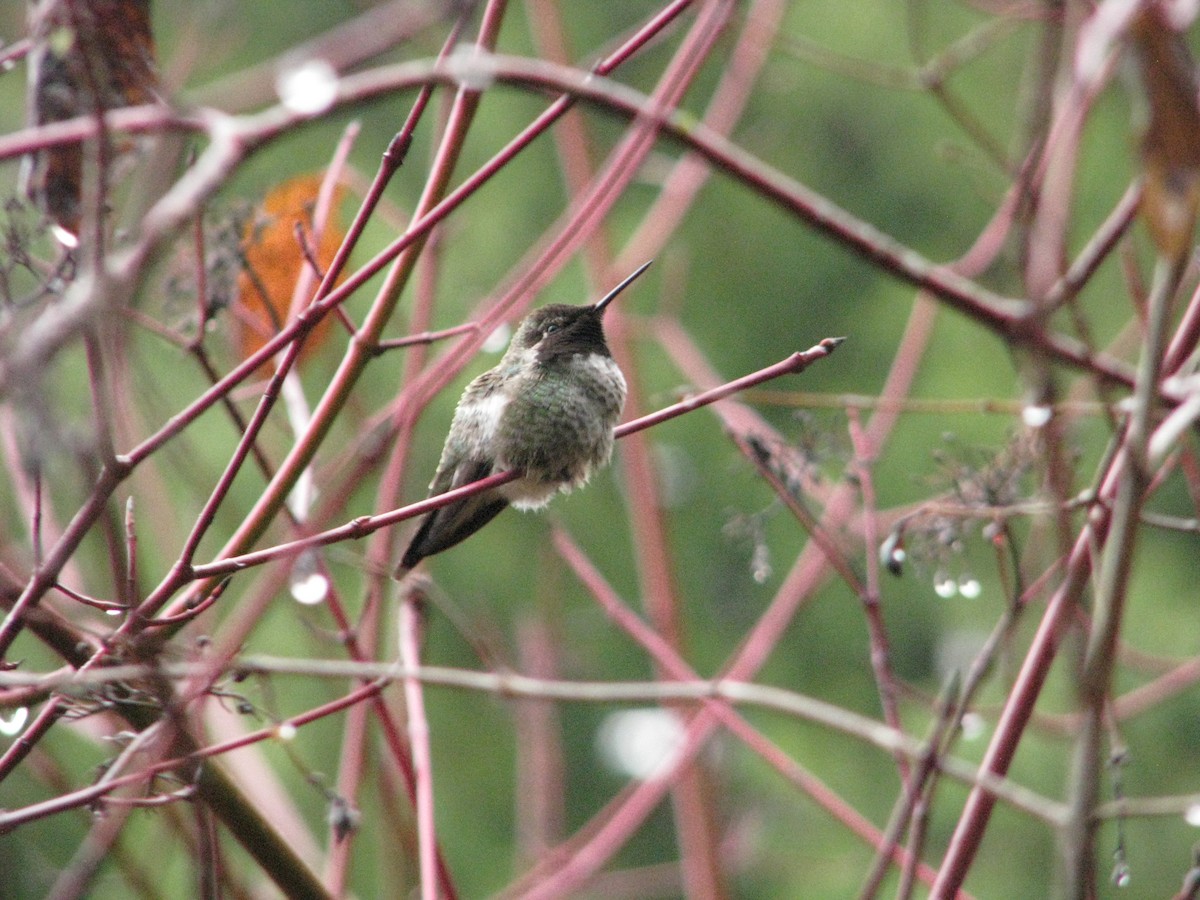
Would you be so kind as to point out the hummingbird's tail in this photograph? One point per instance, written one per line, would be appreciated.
(445, 527)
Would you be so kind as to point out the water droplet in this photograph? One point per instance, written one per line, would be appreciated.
(969, 587)
(67, 238)
(308, 87)
(472, 67)
(641, 743)
(12, 726)
(892, 554)
(1120, 875)
(308, 585)
(944, 586)
(760, 564)
(286, 731)
(1036, 415)
(497, 340)
(973, 726)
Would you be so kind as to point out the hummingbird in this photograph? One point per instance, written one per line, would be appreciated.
(547, 410)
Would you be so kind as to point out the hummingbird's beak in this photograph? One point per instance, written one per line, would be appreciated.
(611, 295)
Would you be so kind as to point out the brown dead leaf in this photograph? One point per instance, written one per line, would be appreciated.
(87, 56)
(1171, 143)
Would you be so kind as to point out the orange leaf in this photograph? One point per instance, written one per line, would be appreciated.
(274, 257)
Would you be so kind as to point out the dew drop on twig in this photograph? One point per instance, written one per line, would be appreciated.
(1036, 415)
(969, 586)
(498, 339)
(760, 564)
(12, 725)
(308, 87)
(640, 742)
(307, 583)
(973, 726)
(944, 586)
(1120, 875)
(472, 67)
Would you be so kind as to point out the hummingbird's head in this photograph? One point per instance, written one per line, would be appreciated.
(558, 331)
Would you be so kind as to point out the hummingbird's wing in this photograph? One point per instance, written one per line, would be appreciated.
(445, 527)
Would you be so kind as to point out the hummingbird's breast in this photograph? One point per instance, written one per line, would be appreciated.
(558, 425)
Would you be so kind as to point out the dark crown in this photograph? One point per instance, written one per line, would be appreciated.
(565, 330)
